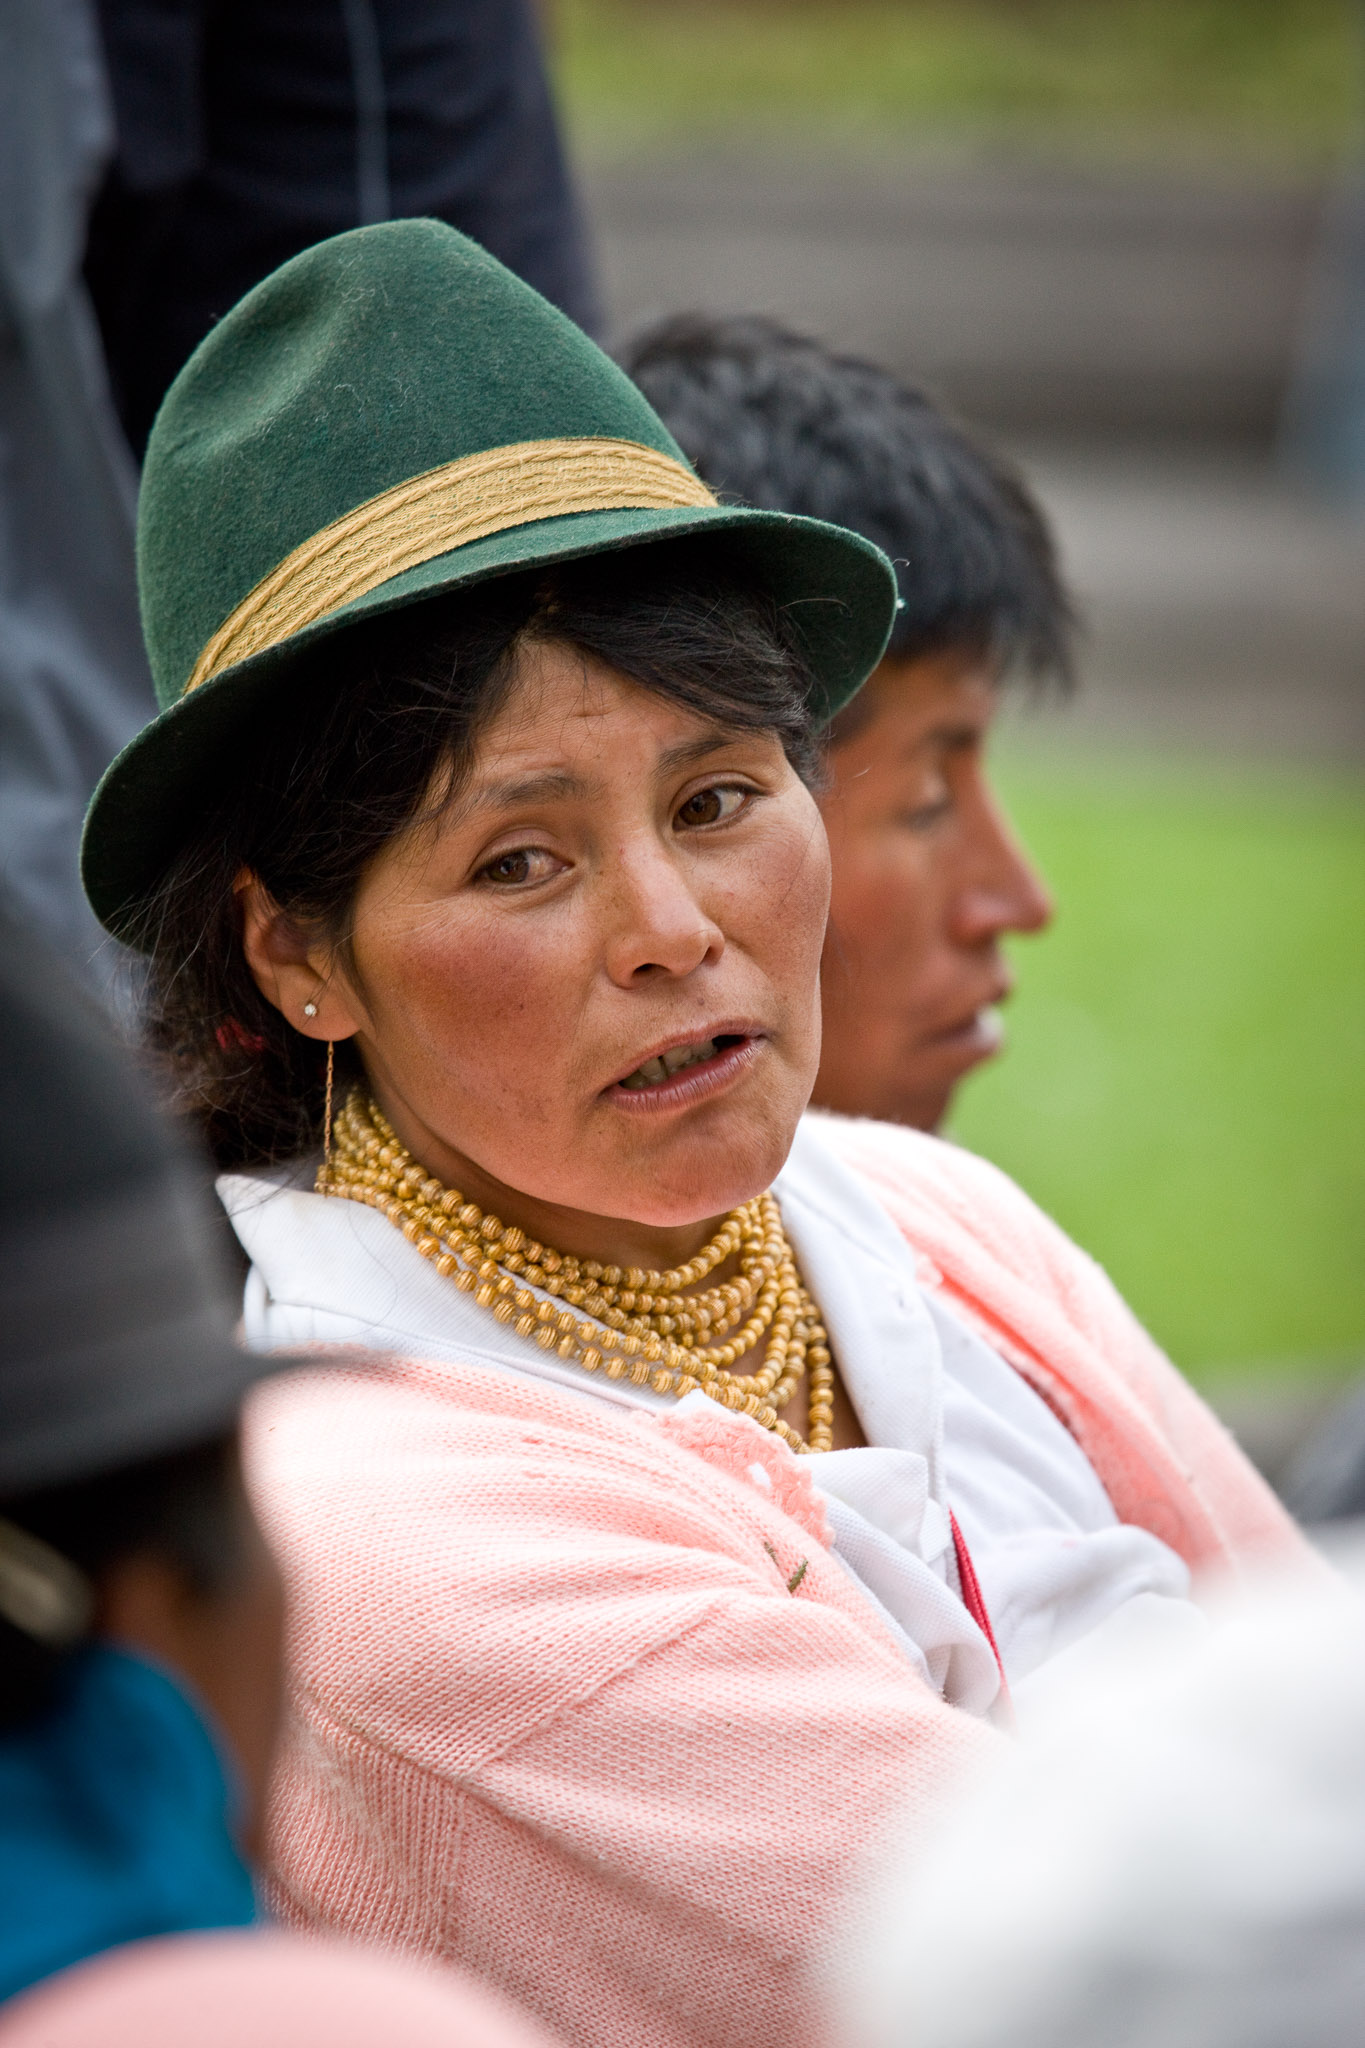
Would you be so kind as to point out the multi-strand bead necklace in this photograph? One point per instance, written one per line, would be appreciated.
(646, 1326)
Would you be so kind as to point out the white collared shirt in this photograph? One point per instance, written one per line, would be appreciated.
(949, 1423)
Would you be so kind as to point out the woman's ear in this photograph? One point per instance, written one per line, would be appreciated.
(290, 968)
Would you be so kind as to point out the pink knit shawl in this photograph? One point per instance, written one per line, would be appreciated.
(581, 1700)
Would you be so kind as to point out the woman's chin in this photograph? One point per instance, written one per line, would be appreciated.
(694, 1189)
(668, 1179)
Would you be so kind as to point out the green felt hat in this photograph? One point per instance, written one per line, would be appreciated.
(390, 416)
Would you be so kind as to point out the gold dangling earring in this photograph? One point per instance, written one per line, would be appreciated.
(327, 1120)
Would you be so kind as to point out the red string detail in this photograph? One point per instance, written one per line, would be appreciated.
(234, 1037)
(974, 1602)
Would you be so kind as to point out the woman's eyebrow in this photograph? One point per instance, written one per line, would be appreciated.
(688, 751)
(535, 786)
(526, 789)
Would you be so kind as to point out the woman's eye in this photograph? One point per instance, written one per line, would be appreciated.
(519, 865)
(711, 806)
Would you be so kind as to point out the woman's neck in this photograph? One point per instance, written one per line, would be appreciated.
(611, 1240)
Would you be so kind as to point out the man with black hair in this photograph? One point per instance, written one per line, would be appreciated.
(928, 877)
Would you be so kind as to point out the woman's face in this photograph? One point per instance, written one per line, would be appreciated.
(591, 990)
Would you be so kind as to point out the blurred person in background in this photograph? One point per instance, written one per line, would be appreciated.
(1175, 1858)
(140, 1612)
(74, 683)
(248, 132)
(211, 141)
(928, 876)
(1325, 1480)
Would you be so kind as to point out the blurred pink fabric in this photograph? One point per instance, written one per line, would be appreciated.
(583, 1703)
(258, 1990)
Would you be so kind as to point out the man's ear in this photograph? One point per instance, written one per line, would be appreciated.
(290, 968)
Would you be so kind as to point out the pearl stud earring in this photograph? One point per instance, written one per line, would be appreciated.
(310, 1009)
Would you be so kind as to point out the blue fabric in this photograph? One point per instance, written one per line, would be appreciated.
(115, 1822)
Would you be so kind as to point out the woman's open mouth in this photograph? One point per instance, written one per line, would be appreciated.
(683, 1073)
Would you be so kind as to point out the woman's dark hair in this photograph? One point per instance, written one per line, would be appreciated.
(385, 717)
(184, 1506)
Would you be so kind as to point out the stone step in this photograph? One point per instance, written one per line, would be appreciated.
(1033, 297)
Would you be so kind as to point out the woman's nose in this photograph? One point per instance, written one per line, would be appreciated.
(656, 923)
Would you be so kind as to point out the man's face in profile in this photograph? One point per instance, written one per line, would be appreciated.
(928, 878)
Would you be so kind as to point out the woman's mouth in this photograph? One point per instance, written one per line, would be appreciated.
(683, 1073)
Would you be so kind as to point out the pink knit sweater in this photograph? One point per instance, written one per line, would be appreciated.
(582, 1702)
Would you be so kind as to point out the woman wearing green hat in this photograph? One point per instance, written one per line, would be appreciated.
(738, 1464)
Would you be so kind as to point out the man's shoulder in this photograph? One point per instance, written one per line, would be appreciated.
(960, 1211)
(911, 1160)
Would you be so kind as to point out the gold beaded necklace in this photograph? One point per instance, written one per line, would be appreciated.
(647, 1328)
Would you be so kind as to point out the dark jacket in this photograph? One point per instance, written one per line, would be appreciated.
(249, 129)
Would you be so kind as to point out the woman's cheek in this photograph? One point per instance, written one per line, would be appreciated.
(503, 992)
(437, 978)
(775, 916)
(794, 906)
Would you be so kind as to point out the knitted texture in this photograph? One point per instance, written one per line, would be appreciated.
(582, 1702)
(568, 1709)
(749, 1454)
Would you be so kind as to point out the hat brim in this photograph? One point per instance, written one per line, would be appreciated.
(138, 1359)
(838, 589)
(105, 1405)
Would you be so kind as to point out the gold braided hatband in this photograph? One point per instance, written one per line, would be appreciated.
(440, 510)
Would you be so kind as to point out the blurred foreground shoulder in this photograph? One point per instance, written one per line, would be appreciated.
(273, 1990)
(1211, 1890)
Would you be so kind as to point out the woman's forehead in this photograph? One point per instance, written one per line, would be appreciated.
(556, 684)
(569, 722)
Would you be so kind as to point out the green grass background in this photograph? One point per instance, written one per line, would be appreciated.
(1185, 1084)
(1273, 80)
